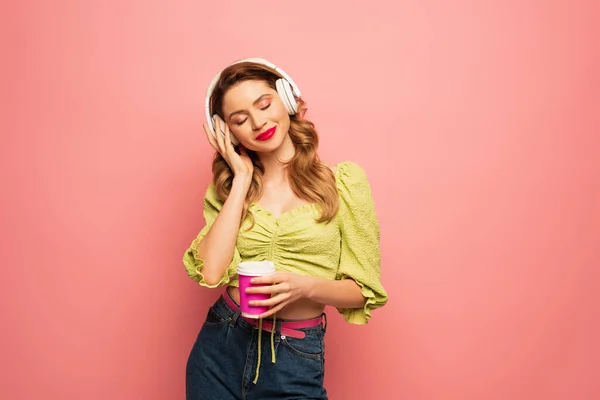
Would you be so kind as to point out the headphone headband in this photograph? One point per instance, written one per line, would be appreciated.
(262, 61)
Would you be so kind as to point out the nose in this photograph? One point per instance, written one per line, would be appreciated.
(257, 122)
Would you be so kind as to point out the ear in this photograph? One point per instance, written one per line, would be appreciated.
(302, 109)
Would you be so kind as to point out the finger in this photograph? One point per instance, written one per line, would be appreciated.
(272, 301)
(277, 277)
(228, 144)
(210, 137)
(268, 289)
(219, 136)
(274, 310)
(263, 280)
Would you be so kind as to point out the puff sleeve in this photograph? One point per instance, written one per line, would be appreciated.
(359, 228)
(192, 262)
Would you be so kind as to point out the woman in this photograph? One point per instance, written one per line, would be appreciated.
(273, 199)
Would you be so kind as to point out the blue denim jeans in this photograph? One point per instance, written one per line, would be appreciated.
(222, 364)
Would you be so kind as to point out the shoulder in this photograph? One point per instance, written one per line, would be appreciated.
(350, 174)
(211, 199)
(210, 191)
(356, 197)
(353, 185)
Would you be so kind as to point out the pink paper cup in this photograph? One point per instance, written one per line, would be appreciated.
(246, 271)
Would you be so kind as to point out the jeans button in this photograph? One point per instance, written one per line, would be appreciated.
(283, 337)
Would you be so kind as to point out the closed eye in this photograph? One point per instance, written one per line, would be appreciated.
(238, 123)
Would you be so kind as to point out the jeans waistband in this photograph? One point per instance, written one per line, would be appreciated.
(288, 328)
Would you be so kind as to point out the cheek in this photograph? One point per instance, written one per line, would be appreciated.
(280, 114)
(280, 110)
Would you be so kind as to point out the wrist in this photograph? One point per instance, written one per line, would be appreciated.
(237, 195)
(241, 182)
(310, 288)
(240, 185)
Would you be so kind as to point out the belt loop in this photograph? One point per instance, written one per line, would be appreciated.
(324, 322)
(277, 328)
(235, 317)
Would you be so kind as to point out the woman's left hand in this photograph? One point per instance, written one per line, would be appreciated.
(285, 288)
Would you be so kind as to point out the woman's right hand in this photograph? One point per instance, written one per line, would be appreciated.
(240, 164)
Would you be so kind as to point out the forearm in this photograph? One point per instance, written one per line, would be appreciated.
(216, 248)
(336, 293)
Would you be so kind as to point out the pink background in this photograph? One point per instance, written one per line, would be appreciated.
(476, 121)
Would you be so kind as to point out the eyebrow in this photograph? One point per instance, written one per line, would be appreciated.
(255, 102)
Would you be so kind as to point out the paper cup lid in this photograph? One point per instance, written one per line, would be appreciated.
(256, 268)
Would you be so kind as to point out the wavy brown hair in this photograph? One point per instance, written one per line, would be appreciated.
(310, 179)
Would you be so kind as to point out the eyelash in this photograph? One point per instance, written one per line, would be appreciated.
(242, 122)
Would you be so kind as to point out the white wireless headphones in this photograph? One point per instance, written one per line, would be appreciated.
(286, 88)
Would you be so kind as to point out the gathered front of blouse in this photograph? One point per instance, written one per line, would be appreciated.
(347, 247)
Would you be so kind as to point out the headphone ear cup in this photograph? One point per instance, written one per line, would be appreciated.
(284, 89)
(234, 140)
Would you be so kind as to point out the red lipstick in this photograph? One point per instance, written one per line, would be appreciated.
(266, 135)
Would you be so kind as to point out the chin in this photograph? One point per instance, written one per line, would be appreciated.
(267, 148)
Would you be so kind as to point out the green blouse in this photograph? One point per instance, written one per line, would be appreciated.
(346, 247)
